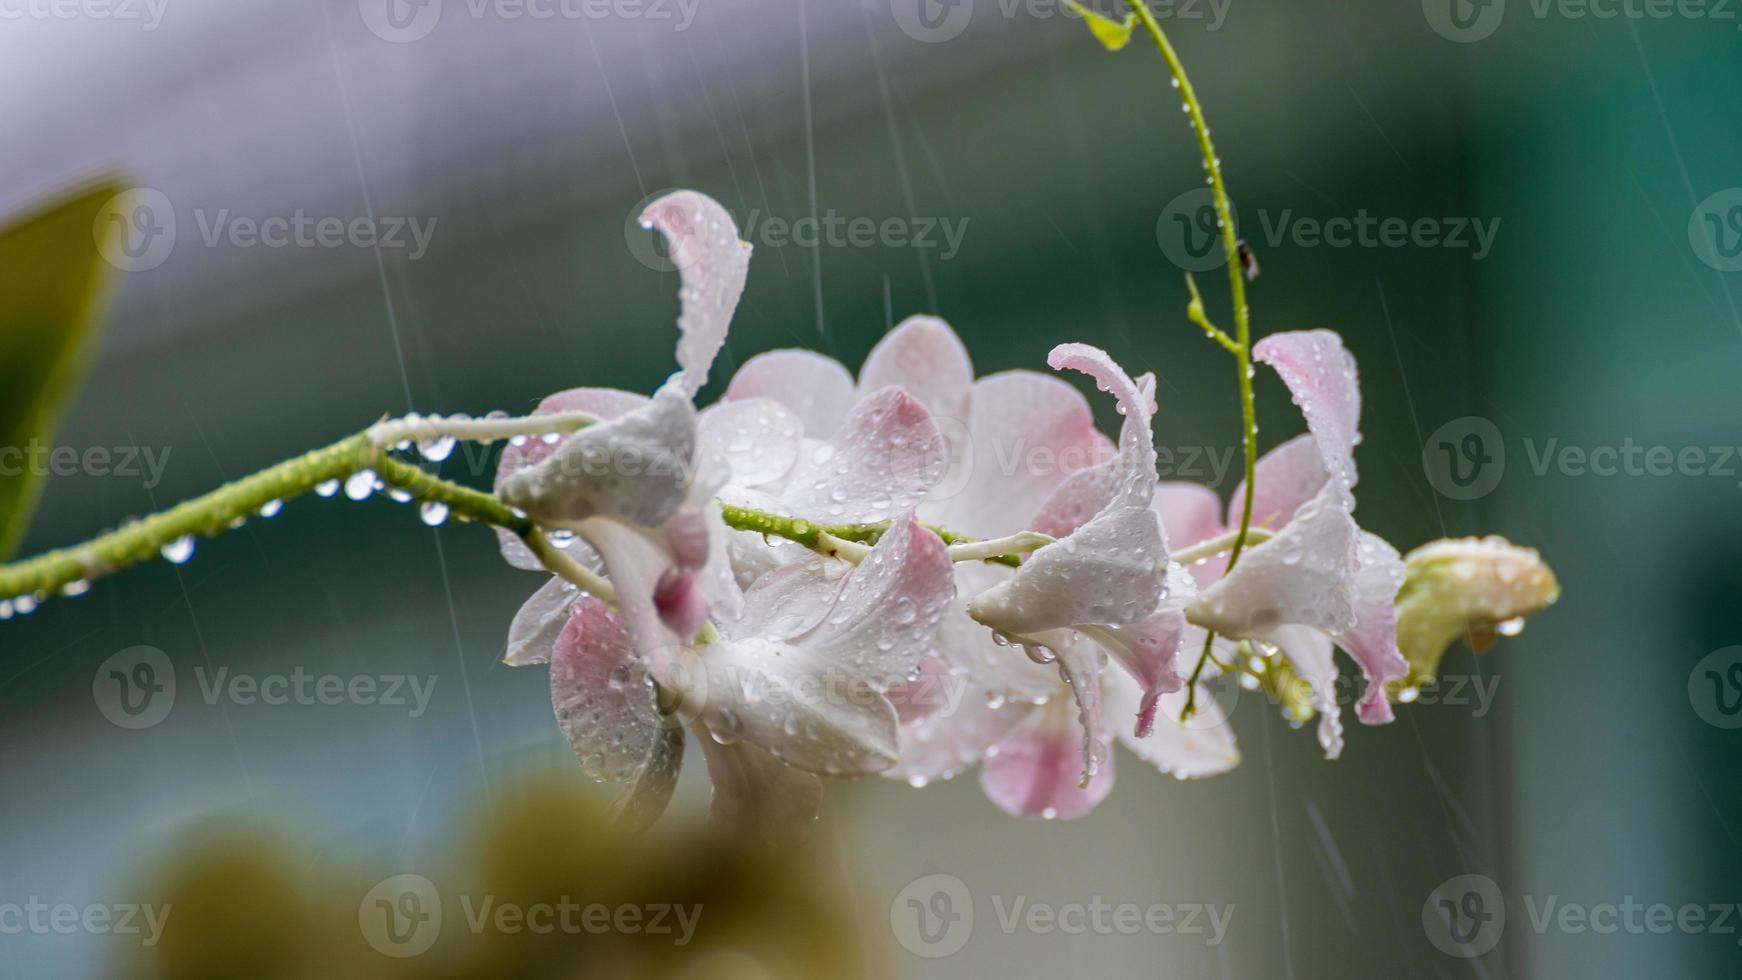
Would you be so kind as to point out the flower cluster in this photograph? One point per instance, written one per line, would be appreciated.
(901, 599)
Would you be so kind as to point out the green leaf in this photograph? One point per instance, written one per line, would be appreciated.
(1113, 34)
(1473, 588)
(53, 279)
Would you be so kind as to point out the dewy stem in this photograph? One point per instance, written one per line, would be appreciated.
(1242, 345)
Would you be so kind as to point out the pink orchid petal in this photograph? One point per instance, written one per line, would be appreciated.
(1372, 640)
(680, 603)
(925, 358)
(925, 695)
(637, 564)
(1027, 432)
(1288, 476)
(1322, 379)
(1034, 771)
(946, 741)
(603, 696)
(1149, 650)
(649, 791)
(1204, 746)
(886, 612)
(756, 797)
(533, 634)
(758, 439)
(606, 403)
(815, 388)
(713, 265)
(1309, 654)
(1077, 500)
(885, 458)
(1190, 513)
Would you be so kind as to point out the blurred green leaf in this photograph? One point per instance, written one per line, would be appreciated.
(53, 278)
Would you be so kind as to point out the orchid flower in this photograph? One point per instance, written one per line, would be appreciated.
(785, 679)
(1320, 579)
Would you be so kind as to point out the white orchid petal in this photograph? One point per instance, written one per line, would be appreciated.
(1136, 403)
(1026, 433)
(606, 403)
(1204, 746)
(636, 467)
(1309, 653)
(713, 265)
(1322, 379)
(1287, 476)
(925, 358)
(815, 388)
(758, 439)
(649, 791)
(756, 797)
(1109, 571)
(1303, 576)
(796, 703)
(533, 634)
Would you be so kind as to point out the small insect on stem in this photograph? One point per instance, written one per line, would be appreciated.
(1248, 259)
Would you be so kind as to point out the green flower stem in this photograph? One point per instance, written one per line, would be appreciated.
(822, 537)
(205, 516)
(1241, 343)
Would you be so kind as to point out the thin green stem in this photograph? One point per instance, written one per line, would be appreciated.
(1242, 339)
(827, 538)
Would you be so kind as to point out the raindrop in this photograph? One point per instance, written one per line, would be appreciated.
(25, 604)
(399, 496)
(177, 552)
(433, 512)
(5, 608)
(437, 449)
(271, 508)
(1510, 627)
(359, 485)
(328, 488)
(77, 588)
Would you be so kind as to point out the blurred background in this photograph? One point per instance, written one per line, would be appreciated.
(1569, 184)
